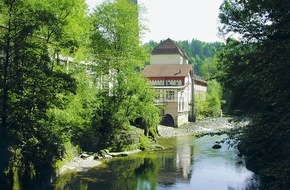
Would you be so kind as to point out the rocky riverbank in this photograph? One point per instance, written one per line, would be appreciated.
(79, 164)
(207, 125)
(87, 161)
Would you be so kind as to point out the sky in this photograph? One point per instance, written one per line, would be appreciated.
(178, 19)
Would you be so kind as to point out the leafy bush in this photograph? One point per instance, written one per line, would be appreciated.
(144, 143)
(209, 104)
(213, 99)
(200, 105)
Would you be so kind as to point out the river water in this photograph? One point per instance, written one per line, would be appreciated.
(186, 163)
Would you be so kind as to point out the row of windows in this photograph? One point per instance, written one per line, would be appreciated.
(166, 83)
(200, 88)
(168, 95)
(171, 96)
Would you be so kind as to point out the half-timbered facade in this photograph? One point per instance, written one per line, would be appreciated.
(172, 78)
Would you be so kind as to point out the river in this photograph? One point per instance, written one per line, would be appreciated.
(186, 163)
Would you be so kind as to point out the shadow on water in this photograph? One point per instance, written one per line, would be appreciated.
(186, 163)
(131, 173)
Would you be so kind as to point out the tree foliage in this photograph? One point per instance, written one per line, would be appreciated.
(31, 86)
(209, 104)
(118, 54)
(209, 68)
(256, 70)
(198, 51)
(214, 99)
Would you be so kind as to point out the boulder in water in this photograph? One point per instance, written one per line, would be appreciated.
(84, 155)
(216, 146)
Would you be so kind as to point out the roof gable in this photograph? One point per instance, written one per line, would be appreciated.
(168, 47)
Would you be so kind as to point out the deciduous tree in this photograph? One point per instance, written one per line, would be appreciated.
(118, 55)
(256, 70)
(30, 85)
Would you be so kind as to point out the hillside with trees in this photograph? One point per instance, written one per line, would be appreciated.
(199, 53)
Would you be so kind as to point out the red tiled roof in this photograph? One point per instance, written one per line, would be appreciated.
(168, 47)
(167, 70)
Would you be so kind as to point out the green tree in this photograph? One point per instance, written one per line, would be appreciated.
(117, 50)
(214, 99)
(256, 70)
(149, 46)
(209, 104)
(31, 85)
(208, 68)
(73, 119)
(200, 105)
(185, 45)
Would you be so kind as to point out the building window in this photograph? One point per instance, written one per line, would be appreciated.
(170, 95)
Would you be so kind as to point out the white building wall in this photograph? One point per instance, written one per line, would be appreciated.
(184, 61)
(167, 59)
(188, 91)
(182, 118)
(200, 88)
(171, 108)
(181, 101)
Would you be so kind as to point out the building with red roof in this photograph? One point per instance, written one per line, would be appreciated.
(175, 82)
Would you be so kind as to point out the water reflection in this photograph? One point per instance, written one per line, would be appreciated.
(176, 162)
(187, 163)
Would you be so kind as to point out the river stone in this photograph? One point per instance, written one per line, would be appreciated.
(107, 156)
(216, 146)
(97, 157)
(84, 155)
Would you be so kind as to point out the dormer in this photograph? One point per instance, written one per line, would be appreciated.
(168, 53)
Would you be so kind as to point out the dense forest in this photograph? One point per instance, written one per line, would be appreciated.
(51, 105)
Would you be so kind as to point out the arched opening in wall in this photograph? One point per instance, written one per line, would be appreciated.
(167, 120)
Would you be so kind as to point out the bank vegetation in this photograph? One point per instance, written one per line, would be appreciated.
(53, 106)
